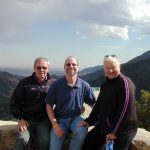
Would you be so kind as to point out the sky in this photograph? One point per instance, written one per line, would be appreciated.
(86, 29)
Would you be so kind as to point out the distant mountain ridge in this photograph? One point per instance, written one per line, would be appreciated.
(139, 71)
(7, 83)
(89, 70)
(145, 56)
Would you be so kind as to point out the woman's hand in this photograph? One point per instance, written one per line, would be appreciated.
(83, 124)
(110, 136)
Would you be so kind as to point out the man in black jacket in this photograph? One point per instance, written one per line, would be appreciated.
(28, 107)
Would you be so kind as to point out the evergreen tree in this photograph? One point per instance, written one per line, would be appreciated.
(143, 110)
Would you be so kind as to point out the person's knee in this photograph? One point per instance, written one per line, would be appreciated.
(44, 140)
(43, 137)
(80, 133)
(20, 144)
(23, 140)
(41, 143)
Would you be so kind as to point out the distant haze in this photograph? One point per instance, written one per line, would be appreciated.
(27, 72)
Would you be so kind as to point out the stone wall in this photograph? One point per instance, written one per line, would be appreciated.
(8, 133)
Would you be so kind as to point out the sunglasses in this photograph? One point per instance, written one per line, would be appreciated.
(110, 56)
(41, 67)
(69, 64)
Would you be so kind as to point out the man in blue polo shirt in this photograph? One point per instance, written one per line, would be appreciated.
(64, 104)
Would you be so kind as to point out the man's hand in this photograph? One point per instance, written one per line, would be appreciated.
(22, 125)
(58, 131)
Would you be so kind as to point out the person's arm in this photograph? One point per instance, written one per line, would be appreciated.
(16, 105)
(125, 105)
(57, 129)
(16, 101)
(90, 98)
(51, 115)
(93, 116)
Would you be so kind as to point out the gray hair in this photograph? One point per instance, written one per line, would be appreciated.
(111, 59)
(41, 58)
(70, 58)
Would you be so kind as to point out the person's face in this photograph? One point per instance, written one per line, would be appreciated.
(112, 70)
(41, 69)
(71, 67)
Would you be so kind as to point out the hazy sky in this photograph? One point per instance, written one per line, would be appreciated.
(86, 29)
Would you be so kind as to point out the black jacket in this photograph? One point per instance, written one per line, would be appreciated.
(28, 99)
(115, 110)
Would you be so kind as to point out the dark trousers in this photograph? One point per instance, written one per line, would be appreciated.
(39, 132)
(96, 139)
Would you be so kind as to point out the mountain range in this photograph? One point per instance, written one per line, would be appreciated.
(137, 69)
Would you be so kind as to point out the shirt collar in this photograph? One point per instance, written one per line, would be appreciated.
(78, 82)
(44, 81)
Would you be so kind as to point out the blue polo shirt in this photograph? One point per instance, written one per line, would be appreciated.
(69, 100)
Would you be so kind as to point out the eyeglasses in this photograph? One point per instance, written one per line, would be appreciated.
(41, 67)
(110, 56)
(69, 64)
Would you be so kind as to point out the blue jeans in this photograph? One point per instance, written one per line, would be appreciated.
(78, 137)
(37, 130)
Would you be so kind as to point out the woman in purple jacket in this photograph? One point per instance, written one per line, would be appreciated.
(114, 114)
